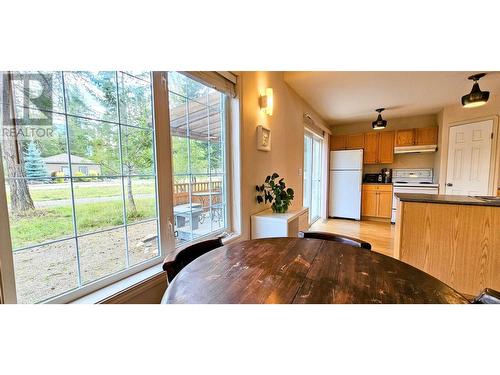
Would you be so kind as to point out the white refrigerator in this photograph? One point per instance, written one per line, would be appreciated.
(346, 174)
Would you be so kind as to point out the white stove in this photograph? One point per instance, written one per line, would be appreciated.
(418, 181)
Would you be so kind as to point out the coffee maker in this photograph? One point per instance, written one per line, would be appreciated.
(386, 175)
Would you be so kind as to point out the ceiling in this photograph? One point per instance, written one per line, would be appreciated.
(343, 97)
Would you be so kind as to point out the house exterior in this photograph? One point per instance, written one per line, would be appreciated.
(59, 163)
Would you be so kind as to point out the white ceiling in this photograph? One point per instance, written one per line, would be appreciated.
(342, 97)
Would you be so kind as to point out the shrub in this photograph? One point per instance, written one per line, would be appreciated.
(94, 174)
(80, 175)
(57, 177)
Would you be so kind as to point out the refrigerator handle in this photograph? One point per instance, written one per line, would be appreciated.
(360, 182)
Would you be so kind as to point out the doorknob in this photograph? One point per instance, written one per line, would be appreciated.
(449, 184)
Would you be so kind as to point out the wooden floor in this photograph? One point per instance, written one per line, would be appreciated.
(379, 235)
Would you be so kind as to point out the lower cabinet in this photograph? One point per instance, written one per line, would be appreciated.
(376, 200)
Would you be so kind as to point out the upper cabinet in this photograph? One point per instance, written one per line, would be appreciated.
(338, 142)
(379, 148)
(416, 137)
(347, 142)
(427, 136)
(405, 137)
(386, 148)
(355, 141)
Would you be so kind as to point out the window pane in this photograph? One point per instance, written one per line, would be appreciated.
(197, 132)
(98, 203)
(94, 144)
(142, 241)
(137, 151)
(92, 94)
(135, 101)
(140, 198)
(45, 271)
(39, 91)
(102, 254)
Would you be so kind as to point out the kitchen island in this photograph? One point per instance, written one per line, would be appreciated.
(454, 238)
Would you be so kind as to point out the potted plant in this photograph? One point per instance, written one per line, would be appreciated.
(275, 193)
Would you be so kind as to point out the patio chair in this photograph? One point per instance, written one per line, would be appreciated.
(355, 242)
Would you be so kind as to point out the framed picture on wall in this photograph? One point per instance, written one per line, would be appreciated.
(263, 138)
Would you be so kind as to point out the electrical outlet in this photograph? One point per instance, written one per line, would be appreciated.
(300, 171)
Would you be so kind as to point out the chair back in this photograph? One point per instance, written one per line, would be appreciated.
(187, 255)
(355, 242)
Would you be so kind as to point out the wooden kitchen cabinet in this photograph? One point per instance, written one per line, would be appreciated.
(338, 142)
(384, 204)
(369, 201)
(386, 148)
(355, 141)
(405, 137)
(370, 153)
(426, 136)
(379, 148)
(416, 137)
(376, 200)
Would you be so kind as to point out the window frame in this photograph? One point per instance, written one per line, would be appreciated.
(160, 120)
(164, 188)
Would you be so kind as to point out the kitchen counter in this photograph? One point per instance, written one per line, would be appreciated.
(377, 183)
(448, 199)
(453, 238)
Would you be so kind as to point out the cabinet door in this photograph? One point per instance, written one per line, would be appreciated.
(384, 204)
(370, 154)
(338, 142)
(405, 137)
(355, 141)
(369, 201)
(427, 136)
(386, 148)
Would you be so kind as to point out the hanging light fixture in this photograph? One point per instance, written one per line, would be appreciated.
(379, 123)
(476, 97)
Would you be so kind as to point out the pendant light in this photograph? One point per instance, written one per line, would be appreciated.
(379, 123)
(476, 97)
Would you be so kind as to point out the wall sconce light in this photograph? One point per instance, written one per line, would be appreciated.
(266, 101)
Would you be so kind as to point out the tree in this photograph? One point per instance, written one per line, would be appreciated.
(33, 163)
(20, 198)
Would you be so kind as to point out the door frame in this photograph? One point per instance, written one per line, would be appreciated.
(494, 157)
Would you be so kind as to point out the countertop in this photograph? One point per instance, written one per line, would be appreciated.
(447, 199)
(377, 183)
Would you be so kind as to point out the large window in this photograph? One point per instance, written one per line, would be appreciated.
(79, 167)
(198, 136)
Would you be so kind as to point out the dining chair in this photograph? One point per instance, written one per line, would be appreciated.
(187, 255)
(355, 242)
(487, 296)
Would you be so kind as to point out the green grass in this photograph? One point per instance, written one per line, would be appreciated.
(89, 191)
(53, 223)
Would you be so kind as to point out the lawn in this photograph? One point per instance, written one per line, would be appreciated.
(38, 193)
(53, 223)
(82, 191)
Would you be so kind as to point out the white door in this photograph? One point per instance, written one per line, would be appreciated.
(469, 155)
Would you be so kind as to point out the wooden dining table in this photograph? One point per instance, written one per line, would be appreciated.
(297, 270)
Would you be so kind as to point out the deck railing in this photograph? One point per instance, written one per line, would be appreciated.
(181, 192)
